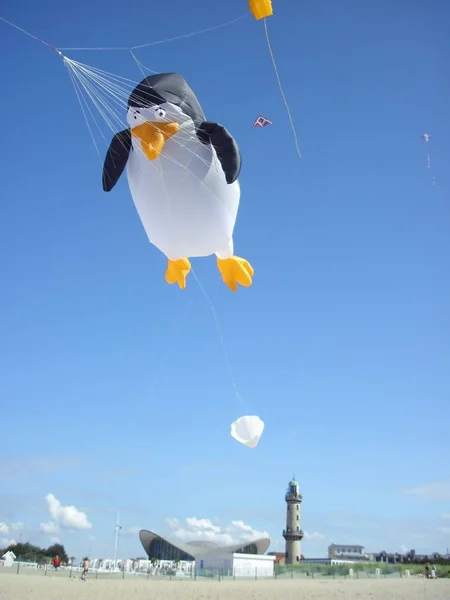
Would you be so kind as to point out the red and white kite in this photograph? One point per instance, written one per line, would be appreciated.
(261, 122)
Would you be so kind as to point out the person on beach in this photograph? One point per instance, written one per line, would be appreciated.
(56, 562)
(427, 570)
(85, 570)
(433, 572)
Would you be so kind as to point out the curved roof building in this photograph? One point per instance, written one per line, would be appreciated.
(162, 549)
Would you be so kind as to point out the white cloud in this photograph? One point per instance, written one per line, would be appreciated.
(446, 516)
(49, 527)
(202, 524)
(55, 540)
(4, 527)
(5, 542)
(66, 517)
(403, 549)
(313, 535)
(194, 529)
(91, 537)
(445, 530)
(434, 491)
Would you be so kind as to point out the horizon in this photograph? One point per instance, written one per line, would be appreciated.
(366, 553)
(119, 390)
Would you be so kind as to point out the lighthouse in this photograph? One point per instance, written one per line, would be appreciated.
(293, 534)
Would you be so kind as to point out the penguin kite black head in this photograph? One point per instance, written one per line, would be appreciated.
(167, 87)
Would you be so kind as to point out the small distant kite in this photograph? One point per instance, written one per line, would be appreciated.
(261, 122)
(426, 138)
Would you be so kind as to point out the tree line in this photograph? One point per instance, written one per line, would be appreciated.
(29, 553)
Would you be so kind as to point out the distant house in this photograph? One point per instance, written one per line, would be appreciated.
(351, 552)
(408, 557)
(279, 557)
(8, 558)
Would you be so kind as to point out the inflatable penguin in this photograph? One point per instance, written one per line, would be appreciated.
(183, 176)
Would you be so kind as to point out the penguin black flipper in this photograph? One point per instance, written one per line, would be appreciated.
(225, 146)
(116, 159)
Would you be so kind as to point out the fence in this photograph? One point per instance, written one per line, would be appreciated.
(372, 570)
(282, 572)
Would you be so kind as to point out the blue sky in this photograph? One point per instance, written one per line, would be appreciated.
(114, 388)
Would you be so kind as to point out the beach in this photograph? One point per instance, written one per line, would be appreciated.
(58, 588)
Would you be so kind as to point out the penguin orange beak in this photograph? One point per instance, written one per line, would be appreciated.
(153, 135)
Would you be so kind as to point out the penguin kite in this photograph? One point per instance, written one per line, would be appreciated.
(183, 177)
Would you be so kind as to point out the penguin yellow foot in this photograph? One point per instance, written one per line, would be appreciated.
(177, 271)
(235, 270)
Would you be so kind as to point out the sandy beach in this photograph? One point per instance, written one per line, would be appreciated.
(56, 588)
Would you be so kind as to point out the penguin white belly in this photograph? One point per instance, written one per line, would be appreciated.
(183, 200)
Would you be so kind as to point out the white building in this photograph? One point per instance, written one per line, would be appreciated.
(347, 552)
(8, 558)
(328, 561)
(241, 560)
(237, 564)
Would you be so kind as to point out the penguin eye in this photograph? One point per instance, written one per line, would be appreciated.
(160, 112)
(137, 112)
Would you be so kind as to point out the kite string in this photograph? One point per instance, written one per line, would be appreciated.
(286, 104)
(194, 33)
(172, 39)
(30, 35)
(127, 48)
(79, 97)
(221, 338)
(140, 65)
(433, 180)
